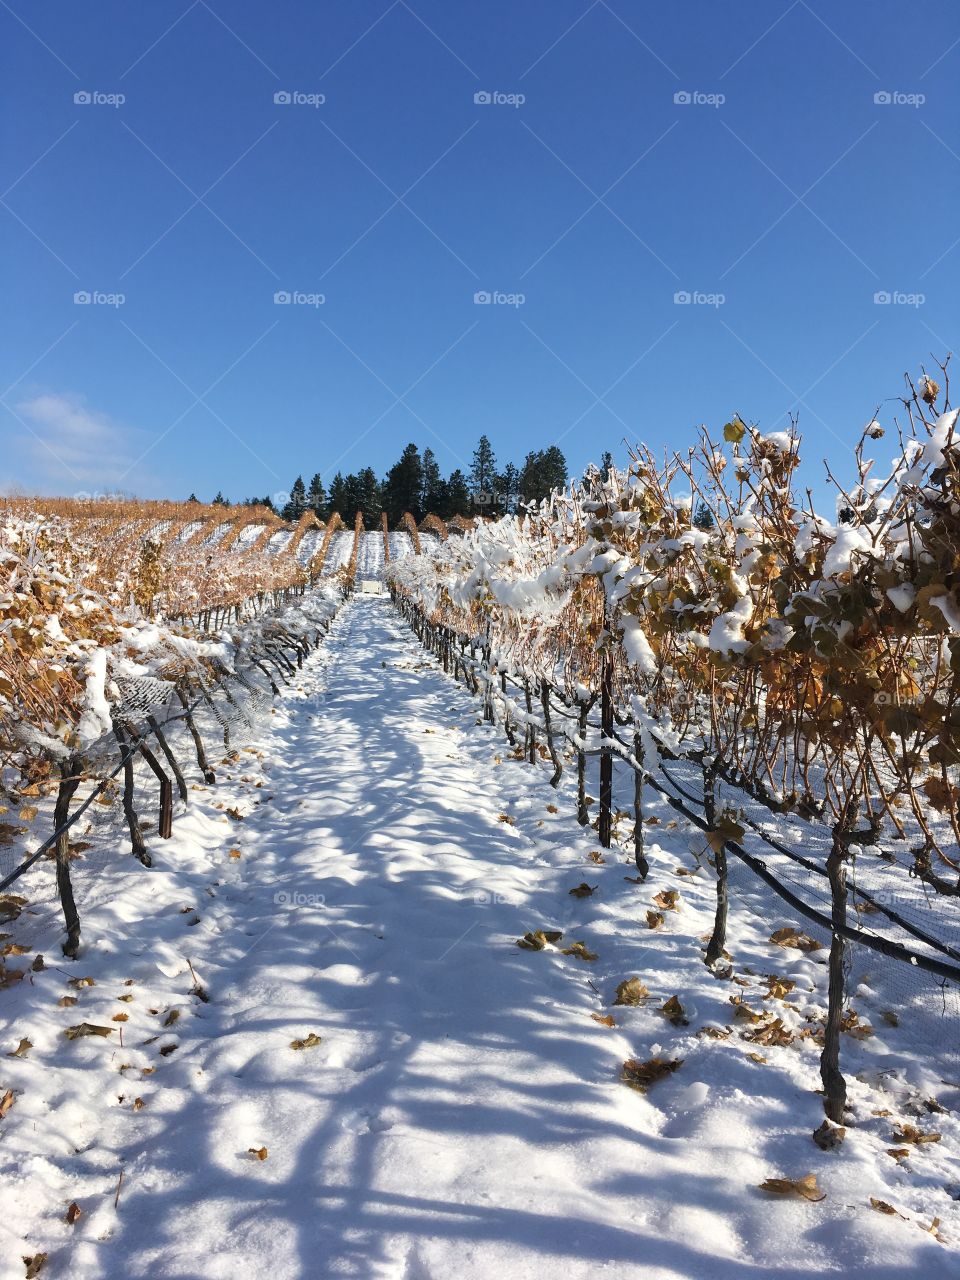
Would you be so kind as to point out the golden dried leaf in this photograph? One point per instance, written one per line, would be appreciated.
(756, 1057)
(716, 1033)
(78, 983)
(73, 1213)
(120, 1017)
(778, 988)
(22, 1049)
(828, 1136)
(259, 1152)
(580, 951)
(537, 940)
(66, 1002)
(791, 937)
(583, 890)
(641, 1075)
(138, 1104)
(631, 991)
(899, 1153)
(605, 1019)
(14, 949)
(6, 1102)
(171, 1018)
(881, 1206)
(33, 1262)
(667, 899)
(87, 1029)
(308, 1042)
(597, 858)
(505, 817)
(770, 1032)
(803, 1188)
(673, 1010)
(917, 1137)
(235, 853)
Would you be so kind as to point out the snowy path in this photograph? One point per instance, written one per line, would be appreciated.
(462, 1115)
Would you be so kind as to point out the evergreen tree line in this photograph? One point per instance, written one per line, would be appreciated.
(415, 484)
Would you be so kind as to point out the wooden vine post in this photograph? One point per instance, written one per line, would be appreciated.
(69, 781)
(834, 1085)
(642, 865)
(604, 822)
(719, 936)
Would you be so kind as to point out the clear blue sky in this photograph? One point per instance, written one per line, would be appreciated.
(600, 197)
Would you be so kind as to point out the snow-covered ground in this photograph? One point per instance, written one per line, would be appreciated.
(247, 537)
(309, 545)
(278, 542)
(462, 1114)
(370, 555)
(401, 545)
(339, 551)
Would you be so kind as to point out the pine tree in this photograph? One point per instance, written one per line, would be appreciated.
(458, 495)
(338, 496)
(317, 498)
(220, 500)
(371, 497)
(297, 503)
(193, 498)
(403, 488)
(505, 486)
(703, 518)
(606, 465)
(433, 499)
(543, 471)
(484, 469)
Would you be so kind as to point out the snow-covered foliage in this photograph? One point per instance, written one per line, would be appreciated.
(819, 656)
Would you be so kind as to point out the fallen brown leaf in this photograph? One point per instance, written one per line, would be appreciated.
(308, 1042)
(804, 1188)
(641, 1075)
